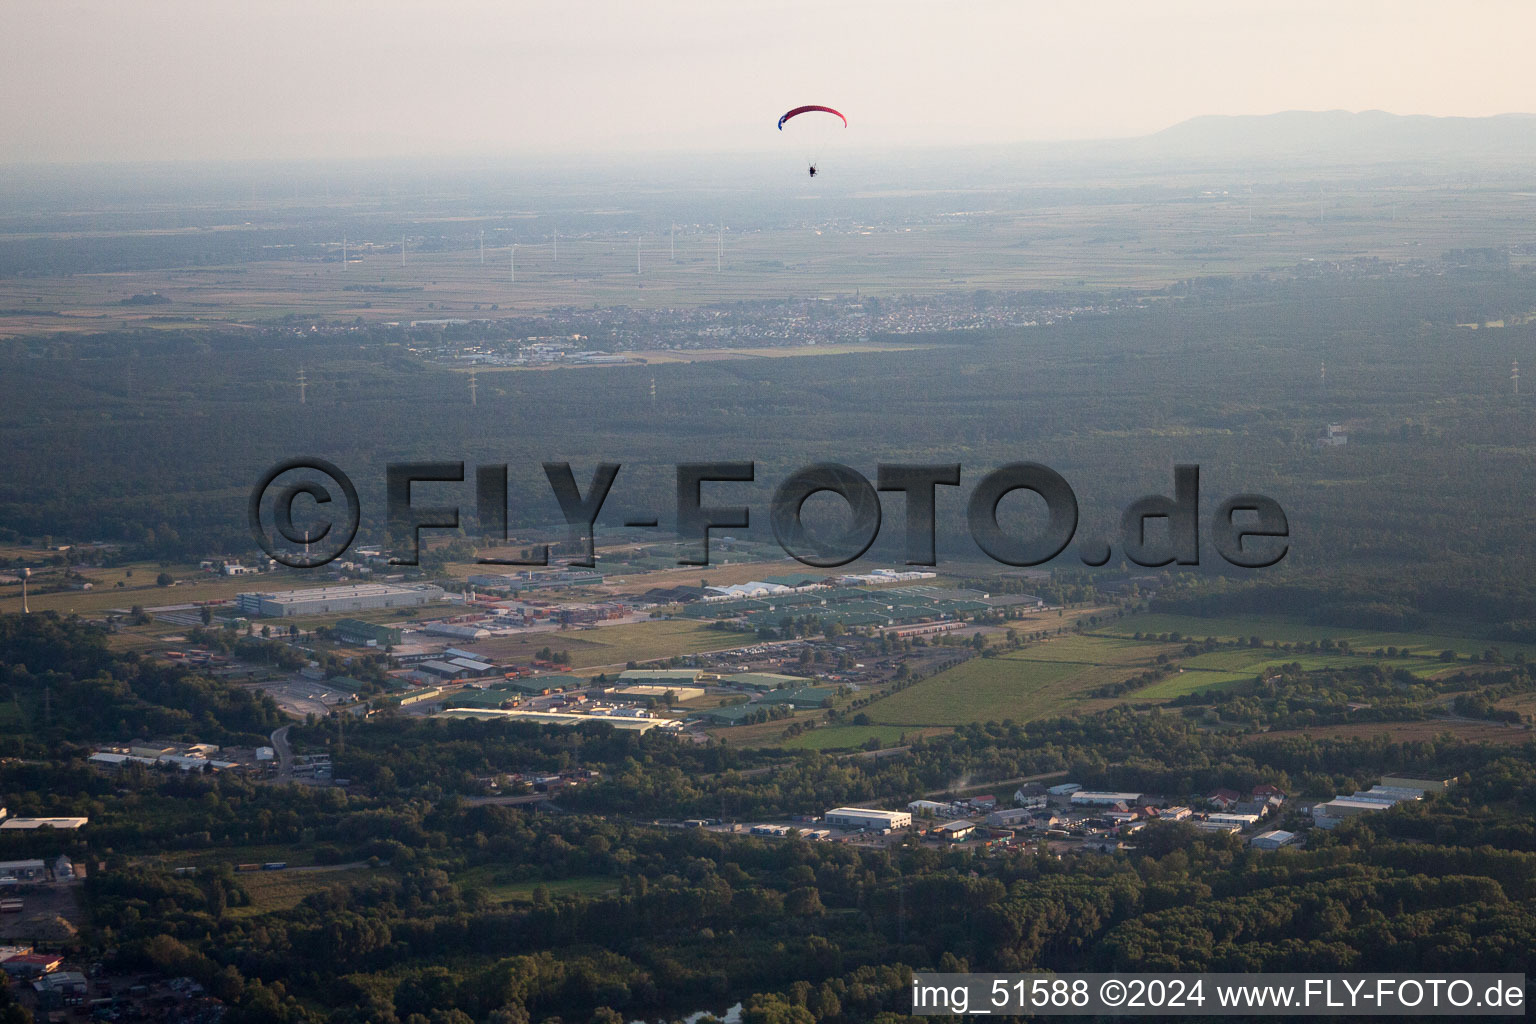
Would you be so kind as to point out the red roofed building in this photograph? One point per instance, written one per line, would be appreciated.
(31, 965)
(1265, 789)
(1225, 798)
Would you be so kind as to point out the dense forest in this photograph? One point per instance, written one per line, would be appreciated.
(1424, 507)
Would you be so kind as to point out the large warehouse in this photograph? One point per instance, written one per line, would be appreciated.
(630, 722)
(863, 817)
(355, 597)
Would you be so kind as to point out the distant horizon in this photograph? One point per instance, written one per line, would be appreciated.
(565, 158)
(174, 80)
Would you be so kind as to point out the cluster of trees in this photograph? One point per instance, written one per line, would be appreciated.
(617, 921)
(66, 685)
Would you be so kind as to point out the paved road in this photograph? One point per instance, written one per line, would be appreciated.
(506, 801)
(284, 751)
(1001, 784)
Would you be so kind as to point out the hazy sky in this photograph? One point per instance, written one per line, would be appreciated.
(162, 79)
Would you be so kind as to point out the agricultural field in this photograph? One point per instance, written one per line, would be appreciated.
(1078, 240)
(1036, 682)
(1286, 631)
(1060, 675)
(273, 891)
(138, 588)
(1187, 682)
(848, 737)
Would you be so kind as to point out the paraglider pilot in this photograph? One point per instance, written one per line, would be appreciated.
(813, 170)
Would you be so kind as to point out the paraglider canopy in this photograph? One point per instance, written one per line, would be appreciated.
(811, 108)
(813, 133)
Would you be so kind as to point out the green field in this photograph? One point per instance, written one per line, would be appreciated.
(1060, 675)
(1286, 631)
(847, 737)
(283, 890)
(645, 641)
(1264, 661)
(1189, 682)
(987, 689)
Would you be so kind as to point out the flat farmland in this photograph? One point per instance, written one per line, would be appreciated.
(1037, 682)
(849, 737)
(1193, 627)
(1085, 237)
(138, 588)
(1186, 682)
(273, 891)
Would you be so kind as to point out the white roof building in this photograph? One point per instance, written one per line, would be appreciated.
(864, 817)
(930, 808)
(1272, 840)
(1327, 815)
(1083, 798)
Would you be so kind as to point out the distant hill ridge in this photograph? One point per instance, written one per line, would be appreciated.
(1342, 134)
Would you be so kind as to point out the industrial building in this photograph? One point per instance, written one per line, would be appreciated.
(1422, 785)
(931, 808)
(354, 597)
(864, 818)
(534, 686)
(1010, 816)
(955, 831)
(804, 697)
(1272, 840)
(538, 580)
(418, 696)
(764, 680)
(729, 714)
(356, 631)
(59, 990)
(1328, 815)
(1240, 820)
(31, 965)
(660, 677)
(1084, 798)
(645, 690)
(1217, 826)
(563, 718)
(62, 824)
(23, 870)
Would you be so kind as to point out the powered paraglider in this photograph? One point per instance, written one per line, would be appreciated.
(813, 133)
